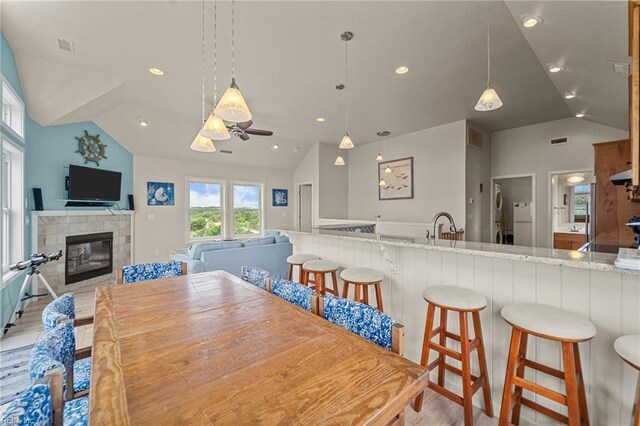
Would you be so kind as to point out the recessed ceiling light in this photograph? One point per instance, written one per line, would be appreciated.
(296, 149)
(530, 21)
(580, 115)
(569, 95)
(555, 68)
(156, 71)
(575, 179)
(276, 146)
(402, 70)
(143, 122)
(320, 119)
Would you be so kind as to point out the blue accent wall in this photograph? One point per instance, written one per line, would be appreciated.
(50, 151)
(47, 151)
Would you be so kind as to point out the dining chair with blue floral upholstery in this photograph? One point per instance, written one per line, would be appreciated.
(363, 320)
(63, 308)
(32, 407)
(299, 295)
(150, 271)
(57, 348)
(255, 276)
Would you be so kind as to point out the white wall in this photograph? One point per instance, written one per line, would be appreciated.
(334, 183)
(439, 176)
(527, 150)
(307, 172)
(478, 172)
(167, 230)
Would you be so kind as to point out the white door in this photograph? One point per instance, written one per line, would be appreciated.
(305, 207)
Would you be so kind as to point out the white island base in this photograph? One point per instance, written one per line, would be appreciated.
(590, 287)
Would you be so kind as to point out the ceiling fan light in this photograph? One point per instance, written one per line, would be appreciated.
(382, 183)
(232, 106)
(489, 100)
(339, 161)
(346, 142)
(202, 144)
(379, 157)
(215, 129)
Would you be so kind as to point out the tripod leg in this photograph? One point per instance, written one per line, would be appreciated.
(46, 285)
(18, 308)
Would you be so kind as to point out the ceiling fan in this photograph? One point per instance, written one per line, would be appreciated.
(243, 130)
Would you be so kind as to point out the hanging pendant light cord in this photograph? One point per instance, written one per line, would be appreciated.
(202, 61)
(488, 50)
(215, 49)
(233, 39)
(346, 85)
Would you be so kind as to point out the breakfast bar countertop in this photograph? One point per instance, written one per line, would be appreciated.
(569, 258)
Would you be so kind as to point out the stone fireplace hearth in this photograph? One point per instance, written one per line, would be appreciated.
(54, 230)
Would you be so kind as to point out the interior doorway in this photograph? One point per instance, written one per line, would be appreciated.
(513, 215)
(305, 207)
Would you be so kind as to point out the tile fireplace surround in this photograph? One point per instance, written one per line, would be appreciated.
(50, 229)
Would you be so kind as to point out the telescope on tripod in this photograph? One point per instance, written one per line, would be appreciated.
(32, 264)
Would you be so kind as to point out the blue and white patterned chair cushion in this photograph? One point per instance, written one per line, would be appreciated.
(76, 412)
(255, 276)
(32, 407)
(294, 293)
(63, 307)
(56, 348)
(81, 374)
(361, 319)
(151, 271)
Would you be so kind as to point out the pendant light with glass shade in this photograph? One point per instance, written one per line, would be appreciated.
(381, 136)
(346, 142)
(489, 100)
(339, 160)
(215, 128)
(232, 106)
(200, 143)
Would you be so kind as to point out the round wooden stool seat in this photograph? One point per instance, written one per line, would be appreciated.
(628, 348)
(548, 322)
(319, 268)
(455, 298)
(300, 258)
(361, 275)
(361, 278)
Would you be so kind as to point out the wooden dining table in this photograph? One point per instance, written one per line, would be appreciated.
(210, 348)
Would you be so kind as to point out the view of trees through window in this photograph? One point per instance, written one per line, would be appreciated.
(246, 210)
(205, 212)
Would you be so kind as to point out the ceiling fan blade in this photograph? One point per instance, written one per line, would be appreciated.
(245, 124)
(259, 132)
(243, 136)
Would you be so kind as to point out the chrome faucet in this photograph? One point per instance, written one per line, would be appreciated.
(452, 224)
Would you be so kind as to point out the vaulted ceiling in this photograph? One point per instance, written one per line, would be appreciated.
(289, 57)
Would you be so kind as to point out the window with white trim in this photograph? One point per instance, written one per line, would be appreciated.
(247, 209)
(12, 205)
(12, 110)
(205, 209)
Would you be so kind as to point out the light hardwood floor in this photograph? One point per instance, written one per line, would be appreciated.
(436, 409)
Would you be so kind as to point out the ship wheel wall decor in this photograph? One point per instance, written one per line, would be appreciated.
(91, 148)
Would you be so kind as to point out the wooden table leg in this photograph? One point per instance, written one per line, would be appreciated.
(443, 342)
(517, 395)
(379, 297)
(508, 379)
(428, 330)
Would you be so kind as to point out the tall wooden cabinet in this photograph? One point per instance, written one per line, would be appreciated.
(612, 208)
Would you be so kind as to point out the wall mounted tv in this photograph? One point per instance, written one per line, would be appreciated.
(89, 184)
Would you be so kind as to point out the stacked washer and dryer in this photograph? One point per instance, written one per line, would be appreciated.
(498, 215)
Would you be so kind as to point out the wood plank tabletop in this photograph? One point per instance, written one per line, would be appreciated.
(211, 349)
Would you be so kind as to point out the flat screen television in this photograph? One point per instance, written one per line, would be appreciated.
(86, 183)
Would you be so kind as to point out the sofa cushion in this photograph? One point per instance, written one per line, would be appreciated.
(198, 248)
(281, 239)
(263, 241)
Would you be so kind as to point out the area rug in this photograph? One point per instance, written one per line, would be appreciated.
(14, 373)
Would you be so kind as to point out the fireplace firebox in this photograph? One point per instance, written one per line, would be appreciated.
(88, 256)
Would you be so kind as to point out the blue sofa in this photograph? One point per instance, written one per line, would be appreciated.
(269, 252)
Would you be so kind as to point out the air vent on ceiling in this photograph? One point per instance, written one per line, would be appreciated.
(620, 67)
(558, 141)
(226, 151)
(66, 45)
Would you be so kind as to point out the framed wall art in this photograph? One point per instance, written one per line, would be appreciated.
(160, 194)
(398, 179)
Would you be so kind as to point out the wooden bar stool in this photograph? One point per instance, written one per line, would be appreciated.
(298, 260)
(628, 348)
(362, 278)
(550, 323)
(319, 269)
(463, 301)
